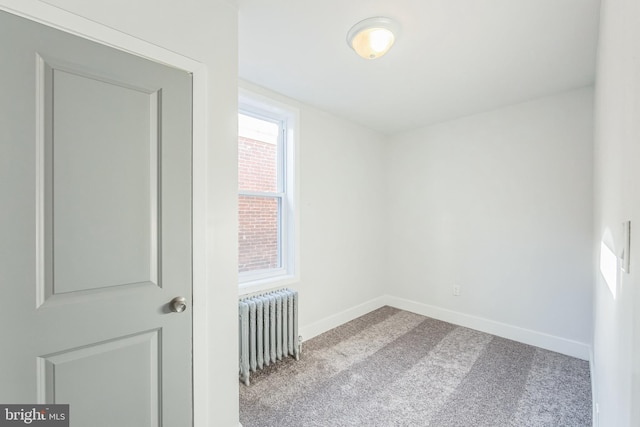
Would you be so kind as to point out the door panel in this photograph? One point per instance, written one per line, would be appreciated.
(95, 229)
(102, 151)
(107, 372)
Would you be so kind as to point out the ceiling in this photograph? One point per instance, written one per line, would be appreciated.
(452, 58)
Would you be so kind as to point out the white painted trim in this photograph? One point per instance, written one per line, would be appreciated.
(526, 336)
(202, 300)
(77, 25)
(549, 342)
(261, 104)
(330, 322)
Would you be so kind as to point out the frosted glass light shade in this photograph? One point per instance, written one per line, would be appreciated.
(372, 37)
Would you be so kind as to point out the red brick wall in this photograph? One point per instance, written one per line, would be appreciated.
(258, 216)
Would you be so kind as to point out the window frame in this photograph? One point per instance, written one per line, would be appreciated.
(254, 105)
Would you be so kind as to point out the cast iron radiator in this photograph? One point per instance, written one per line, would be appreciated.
(268, 330)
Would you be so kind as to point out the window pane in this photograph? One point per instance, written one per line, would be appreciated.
(258, 233)
(257, 154)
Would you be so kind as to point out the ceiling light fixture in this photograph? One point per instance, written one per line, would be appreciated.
(372, 37)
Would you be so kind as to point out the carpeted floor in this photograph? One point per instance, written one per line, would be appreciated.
(395, 368)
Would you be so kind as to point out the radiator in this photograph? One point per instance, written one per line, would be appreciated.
(268, 330)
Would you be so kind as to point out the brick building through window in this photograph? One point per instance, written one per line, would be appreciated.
(260, 194)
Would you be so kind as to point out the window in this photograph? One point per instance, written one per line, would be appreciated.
(265, 194)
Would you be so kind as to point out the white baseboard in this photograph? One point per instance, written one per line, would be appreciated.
(323, 325)
(550, 342)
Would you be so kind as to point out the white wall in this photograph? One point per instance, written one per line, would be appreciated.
(617, 199)
(342, 206)
(500, 204)
(205, 31)
(342, 214)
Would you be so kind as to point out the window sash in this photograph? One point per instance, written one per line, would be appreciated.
(281, 155)
(285, 247)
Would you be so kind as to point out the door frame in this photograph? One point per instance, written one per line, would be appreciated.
(62, 20)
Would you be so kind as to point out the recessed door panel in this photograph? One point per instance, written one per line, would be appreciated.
(101, 149)
(106, 375)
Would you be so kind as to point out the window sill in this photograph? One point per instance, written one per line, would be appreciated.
(265, 284)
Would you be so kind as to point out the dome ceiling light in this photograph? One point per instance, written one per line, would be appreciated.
(372, 37)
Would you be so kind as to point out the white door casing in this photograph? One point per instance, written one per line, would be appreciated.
(96, 229)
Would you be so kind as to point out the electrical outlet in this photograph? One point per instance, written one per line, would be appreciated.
(456, 290)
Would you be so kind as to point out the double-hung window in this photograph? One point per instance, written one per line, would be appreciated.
(265, 196)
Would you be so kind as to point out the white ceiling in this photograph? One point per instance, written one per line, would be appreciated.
(452, 57)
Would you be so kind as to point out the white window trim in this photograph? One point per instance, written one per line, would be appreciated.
(260, 105)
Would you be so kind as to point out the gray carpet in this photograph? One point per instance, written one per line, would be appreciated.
(395, 368)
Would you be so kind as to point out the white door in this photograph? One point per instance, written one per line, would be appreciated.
(95, 230)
